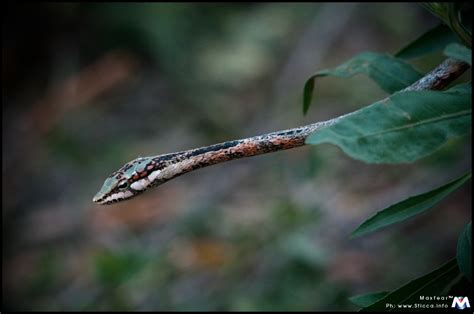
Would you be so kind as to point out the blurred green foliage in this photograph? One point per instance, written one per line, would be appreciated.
(114, 268)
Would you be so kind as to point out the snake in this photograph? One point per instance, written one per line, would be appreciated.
(144, 173)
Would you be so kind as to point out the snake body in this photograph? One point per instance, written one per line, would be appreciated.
(143, 173)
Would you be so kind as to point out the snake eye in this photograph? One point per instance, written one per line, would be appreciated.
(123, 185)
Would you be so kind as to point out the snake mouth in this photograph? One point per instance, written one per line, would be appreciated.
(101, 200)
(104, 199)
(98, 199)
(104, 202)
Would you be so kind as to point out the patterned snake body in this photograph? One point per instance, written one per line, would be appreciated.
(144, 173)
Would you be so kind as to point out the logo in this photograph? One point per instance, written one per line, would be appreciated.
(460, 303)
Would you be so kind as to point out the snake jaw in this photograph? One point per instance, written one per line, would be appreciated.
(132, 179)
(113, 198)
(97, 198)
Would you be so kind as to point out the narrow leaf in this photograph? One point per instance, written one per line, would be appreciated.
(364, 300)
(307, 94)
(402, 128)
(391, 74)
(436, 39)
(462, 286)
(464, 252)
(459, 52)
(410, 207)
(461, 88)
(452, 14)
(436, 283)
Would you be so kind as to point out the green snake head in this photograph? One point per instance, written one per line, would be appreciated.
(141, 174)
(132, 179)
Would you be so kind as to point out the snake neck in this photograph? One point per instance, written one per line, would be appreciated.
(182, 162)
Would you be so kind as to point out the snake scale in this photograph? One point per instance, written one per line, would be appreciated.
(143, 173)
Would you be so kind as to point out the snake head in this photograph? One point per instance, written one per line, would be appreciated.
(113, 190)
(130, 180)
(143, 173)
(139, 175)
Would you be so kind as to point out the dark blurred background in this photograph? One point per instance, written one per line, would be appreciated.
(88, 87)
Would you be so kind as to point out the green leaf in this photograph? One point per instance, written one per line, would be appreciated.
(436, 283)
(308, 93)
(439, 9)
(461, 287)
(464, 252)
(461, 88)
(402, 128)
(364, 300)
(436, 39)
(410, 207)
(391, 74)
(451, 14)
(459, 52)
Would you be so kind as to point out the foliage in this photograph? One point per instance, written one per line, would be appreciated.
(464, 252)
(365, 300)
(390, 73)
(460, 52)
(454, 15)
(405, 127)
(433, 40)
(410, 207)
(435, 283)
